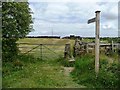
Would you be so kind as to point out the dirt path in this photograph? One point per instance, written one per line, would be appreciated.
(60, 76)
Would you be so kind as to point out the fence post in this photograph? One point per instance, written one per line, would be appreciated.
(77, 48)
(112, 46)
(41, 51)
(86, 47)
(67, 51)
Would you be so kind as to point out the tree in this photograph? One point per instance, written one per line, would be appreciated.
(16, 23)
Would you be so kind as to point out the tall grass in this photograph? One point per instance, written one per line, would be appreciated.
(18, 64)
(84, 73)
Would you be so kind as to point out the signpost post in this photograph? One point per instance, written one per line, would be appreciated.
(97, 20)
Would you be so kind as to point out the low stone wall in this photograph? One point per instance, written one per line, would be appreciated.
(80, 48)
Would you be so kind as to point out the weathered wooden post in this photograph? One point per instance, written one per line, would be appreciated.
(97, 20)
(112, 46)
(87, 47)
(67, 51)
(41, 50)
(97, 42)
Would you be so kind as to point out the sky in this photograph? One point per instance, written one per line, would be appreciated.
(66, 17)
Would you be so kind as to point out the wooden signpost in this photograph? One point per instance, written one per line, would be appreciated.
(97, 20)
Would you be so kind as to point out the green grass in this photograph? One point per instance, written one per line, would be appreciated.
(93, 40)
(46, 40)
(88, 40)
(35, 73)
(84, 72)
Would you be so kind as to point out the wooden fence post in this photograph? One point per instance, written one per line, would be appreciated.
(112, 46)
(87, 47)
(41, 51)
(67, 51)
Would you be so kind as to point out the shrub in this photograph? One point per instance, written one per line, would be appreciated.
(16, 23)
(18, 64)
(84, 63)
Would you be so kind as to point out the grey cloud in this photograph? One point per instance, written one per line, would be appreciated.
(101, 3)
(109, 16)
(72, 16)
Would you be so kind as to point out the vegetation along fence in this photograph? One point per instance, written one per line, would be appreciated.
(44, 51)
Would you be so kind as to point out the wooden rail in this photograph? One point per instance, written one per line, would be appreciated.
(38, 44)
(104, 44)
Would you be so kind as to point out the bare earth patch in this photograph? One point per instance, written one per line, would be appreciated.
(67, 70)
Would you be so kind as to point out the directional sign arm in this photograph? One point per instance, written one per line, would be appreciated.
(91, 20)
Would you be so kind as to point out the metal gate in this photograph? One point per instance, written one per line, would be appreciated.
(43, 51)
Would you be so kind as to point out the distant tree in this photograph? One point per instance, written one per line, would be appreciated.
(16, 23)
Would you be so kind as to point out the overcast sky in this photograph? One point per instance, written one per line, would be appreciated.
(65, 17)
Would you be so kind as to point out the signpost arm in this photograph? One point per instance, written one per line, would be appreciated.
(97, 42)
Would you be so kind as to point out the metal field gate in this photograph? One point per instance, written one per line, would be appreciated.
(43, 51)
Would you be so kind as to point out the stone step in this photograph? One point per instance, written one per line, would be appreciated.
(71, 60)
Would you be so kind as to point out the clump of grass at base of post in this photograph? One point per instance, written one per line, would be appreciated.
(84, 73)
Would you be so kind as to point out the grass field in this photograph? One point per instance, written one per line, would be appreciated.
(46, 40)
